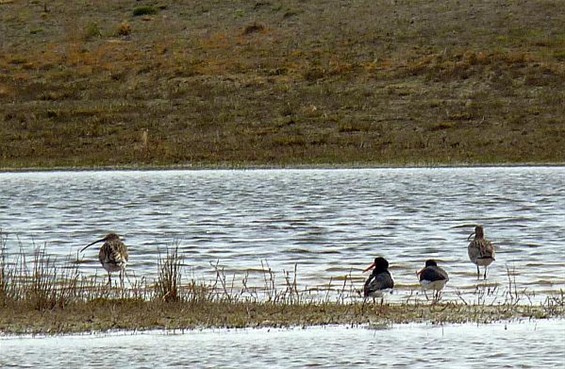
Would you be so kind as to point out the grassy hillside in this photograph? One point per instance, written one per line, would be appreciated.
(263, 82)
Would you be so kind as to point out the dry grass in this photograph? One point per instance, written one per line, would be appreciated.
(287, 83)
(47, 296)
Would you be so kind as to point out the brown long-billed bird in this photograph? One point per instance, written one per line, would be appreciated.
(113, 255)
(481, 251)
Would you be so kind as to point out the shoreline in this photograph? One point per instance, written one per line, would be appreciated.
(130, 315)
(144, 168)
(266, 329)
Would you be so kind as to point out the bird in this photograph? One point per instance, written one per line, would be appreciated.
(481, 251)
(379, 280)
(432, 277)
(113, 255)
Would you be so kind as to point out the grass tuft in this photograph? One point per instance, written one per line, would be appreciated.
(168, 281)
(254, 28)
(124, 29)
(92, 31)
(144, 10)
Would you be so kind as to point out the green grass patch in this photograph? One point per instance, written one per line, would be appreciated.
(144, 10)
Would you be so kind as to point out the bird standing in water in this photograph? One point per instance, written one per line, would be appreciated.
(379, 280)
(481, 251)
(433, 277)
(113, 255)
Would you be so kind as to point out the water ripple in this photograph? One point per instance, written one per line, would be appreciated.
(328, 223)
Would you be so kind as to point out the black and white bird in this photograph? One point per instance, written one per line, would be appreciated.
(379, 281)
(433, 277)
(481, 251)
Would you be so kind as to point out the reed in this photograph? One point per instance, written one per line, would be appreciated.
(170, 275)
(47, 295)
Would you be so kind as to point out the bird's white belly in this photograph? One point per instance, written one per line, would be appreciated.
(379, 293)
(433, 285)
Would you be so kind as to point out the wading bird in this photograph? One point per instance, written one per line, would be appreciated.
(432, 277)
(481, 250)
(379, 280)
(113, 255)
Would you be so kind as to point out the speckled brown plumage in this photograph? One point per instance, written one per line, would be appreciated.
(113, 254)
(481, 251)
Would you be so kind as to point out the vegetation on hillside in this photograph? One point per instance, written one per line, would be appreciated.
(321, 82)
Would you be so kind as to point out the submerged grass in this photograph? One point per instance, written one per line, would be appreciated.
(45, 297)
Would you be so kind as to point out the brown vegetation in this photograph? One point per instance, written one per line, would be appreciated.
(50, 296)
(243, 83)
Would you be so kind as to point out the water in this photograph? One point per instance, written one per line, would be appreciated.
(525, 344)
(327, 223)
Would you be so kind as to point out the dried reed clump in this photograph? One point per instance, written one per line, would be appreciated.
(43, 285)
(254, 28)
(124, 29)
(169, 279)
(4, 293)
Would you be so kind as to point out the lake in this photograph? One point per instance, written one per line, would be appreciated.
(329, 224)
(523, 344)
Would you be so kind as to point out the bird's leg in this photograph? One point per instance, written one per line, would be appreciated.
(382, 300)
(122, 279)
(478, 272)
(485, 276)
(109, 280)
(426, 294)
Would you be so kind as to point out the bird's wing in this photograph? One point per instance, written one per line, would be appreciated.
(118, 252)
(486, 249)
(433, 274)
(379, 282)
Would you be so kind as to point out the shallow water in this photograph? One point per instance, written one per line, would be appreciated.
(327, 223)
(526, 344)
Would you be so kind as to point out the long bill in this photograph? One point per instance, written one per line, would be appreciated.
(471, 235)
(90, 244)
(370, 267)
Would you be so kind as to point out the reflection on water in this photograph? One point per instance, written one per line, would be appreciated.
(327, 223)
(532, 344)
